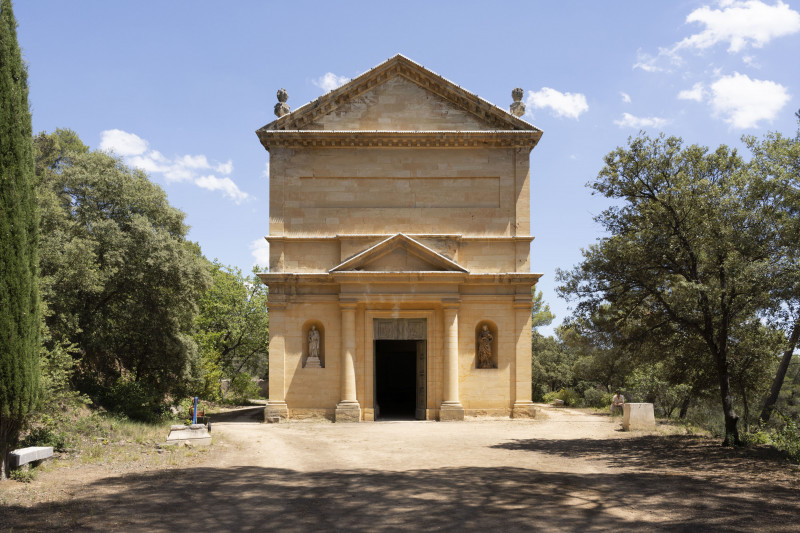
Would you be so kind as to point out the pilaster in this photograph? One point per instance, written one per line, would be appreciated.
(523, 406)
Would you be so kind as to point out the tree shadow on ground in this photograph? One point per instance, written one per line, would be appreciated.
(695, 454)
(446, 499)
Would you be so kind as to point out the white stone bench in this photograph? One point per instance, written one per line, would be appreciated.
(638, 416)
(194, 435)
(34, 454)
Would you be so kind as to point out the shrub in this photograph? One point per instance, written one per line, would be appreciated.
(134, 400)
(597, 398)
(570, 397)
(45, 436)
(23, 475)
(242, 388)
(550, 397)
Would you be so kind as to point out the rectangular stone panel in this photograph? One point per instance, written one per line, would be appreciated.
(429, 192)
(410, 329)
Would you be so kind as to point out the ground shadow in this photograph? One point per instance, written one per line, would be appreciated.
(245, 414)
(446, 499)
(695, 454)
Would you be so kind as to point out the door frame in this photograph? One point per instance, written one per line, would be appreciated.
(433, 351)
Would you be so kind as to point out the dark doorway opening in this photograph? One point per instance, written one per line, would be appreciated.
(395, 379)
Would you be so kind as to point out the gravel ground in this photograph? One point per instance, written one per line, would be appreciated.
(568, 470)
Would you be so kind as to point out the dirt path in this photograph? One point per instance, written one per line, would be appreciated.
(571, 471)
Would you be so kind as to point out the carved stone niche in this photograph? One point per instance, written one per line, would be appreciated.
(313, 330)
(486, 343)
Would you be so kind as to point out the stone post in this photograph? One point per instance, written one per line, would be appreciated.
(451, 408)
(277, 409)
(523, 406)
(348, 409)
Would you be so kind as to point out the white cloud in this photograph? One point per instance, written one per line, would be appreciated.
(631, 121)
(750, 61)
(183, 168)
(225, 168)
(122, 143)
(570, 105)
(226, 185)
(259, 249)
(741, 23)
(695, 93)
(743, 102)
(626, 98)
(330, 81)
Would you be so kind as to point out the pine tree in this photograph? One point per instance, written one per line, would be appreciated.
(19, 295)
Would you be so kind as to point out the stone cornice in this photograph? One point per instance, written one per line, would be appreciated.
(418, 236)
(281, 278)
(398, 139)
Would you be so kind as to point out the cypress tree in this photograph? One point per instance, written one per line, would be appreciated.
(19, 294)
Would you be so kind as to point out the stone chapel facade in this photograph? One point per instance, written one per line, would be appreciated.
(399, 265)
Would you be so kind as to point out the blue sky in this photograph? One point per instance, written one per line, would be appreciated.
(179, 88)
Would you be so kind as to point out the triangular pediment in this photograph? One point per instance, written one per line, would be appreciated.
(399, 253)
(399, 95)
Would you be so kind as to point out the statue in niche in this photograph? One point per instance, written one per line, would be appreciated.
(485, 348)
(313, 348)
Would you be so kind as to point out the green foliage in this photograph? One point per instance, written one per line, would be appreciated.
(690, 252)
(540, 314)
(23, 475)
(569, 396)
(19, 292)
(243, 388)
(551, 365)
(785, 439)
(232, 329)
(119, 278)
(597, 398)
(650, 383)
(45, 436)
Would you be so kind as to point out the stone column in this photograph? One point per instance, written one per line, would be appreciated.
(523, 406)
(277, 409)
(451, 408)
(348, 409)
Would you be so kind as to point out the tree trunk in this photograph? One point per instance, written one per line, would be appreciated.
(780, 375)
(731, 418)
(745, 409)
(9, 435)
(685, 406)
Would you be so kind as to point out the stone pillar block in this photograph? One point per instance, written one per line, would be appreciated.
(275, 411)
(450, 412)
(348, 412)
(638, 416)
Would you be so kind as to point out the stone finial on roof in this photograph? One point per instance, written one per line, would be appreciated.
(517, 107)
(282, 108)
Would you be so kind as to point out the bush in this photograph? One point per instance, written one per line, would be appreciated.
(242, 388)
(133, 400)
(569, 396)
(597, 398)
(45, 436)
(23, 475)
(787, 439)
